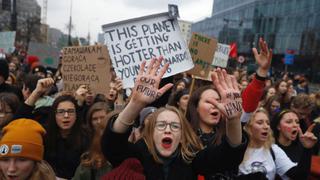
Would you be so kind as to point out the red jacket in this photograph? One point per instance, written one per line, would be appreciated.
(252, 95)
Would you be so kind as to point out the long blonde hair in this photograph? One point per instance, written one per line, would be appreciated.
(189, 142)
(248, 126)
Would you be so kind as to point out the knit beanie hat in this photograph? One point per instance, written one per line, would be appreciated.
(4, 69)
(32, 59)
(130, 169)
(145, 112)
(22, 138)
(39, 68)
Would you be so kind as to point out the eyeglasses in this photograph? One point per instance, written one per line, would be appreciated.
(61, 112)
(162, 125)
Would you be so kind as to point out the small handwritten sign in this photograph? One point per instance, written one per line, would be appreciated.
(86, 65)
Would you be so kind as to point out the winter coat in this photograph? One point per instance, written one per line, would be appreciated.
(116, 148)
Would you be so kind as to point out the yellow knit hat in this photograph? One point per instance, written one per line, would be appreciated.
(22, 138)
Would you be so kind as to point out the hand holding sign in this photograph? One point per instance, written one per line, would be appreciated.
(227, 86)
(263, 58)
(119, 85)
(147, 83)
(308, 139)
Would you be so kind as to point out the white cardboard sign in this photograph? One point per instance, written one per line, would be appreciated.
(7, 41)
(132, 41)
(221, 55)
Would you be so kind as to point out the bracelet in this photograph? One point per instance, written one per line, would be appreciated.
(260, 77)
(126, 123)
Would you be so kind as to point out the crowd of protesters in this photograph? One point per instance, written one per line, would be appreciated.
(237, 126)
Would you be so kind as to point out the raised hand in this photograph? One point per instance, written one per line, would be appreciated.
(227, 86)
(146, 88)
(118, 85)
(43, 85)
(80, 94)
(145, 91)
(308, 139)
(263, 59)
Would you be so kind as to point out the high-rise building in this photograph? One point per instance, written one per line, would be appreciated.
(285, 24)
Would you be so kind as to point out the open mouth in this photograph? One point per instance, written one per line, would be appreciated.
(294, 132)
(265, 134)
(214, 113)
(166, 142)
(66, 123)
(11, 177)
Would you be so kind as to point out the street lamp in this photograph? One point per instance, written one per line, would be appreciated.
(70, 26)
(14, 15)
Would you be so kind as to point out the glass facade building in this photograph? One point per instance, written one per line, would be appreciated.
(285, 24)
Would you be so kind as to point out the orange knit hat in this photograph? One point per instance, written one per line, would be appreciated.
(22, 138)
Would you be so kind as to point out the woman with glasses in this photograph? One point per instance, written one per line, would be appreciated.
(169, 148)
(66, 139)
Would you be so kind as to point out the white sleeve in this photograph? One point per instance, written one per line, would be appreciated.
(282, 161)
(245, 117)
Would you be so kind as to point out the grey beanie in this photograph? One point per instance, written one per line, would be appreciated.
(145, 112)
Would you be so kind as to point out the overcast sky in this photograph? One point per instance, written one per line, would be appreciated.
(89, 15)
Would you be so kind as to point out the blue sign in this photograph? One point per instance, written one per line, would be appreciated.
(288, 59)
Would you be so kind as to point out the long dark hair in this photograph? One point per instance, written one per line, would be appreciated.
(276, 121)
(193, 116)
(78, 133)
(285, 98)
(13, 102)
(268, 103)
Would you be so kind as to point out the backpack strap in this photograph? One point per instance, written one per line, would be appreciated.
(272, 154)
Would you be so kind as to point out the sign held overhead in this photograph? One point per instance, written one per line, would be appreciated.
(86, 65)
(202, 50)
(132, 41)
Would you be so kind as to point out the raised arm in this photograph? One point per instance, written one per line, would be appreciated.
(252, 94)
(43, 85)
(119, 102)
(230, 104)
(145, 91)
(302, 170)
(25, 110)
